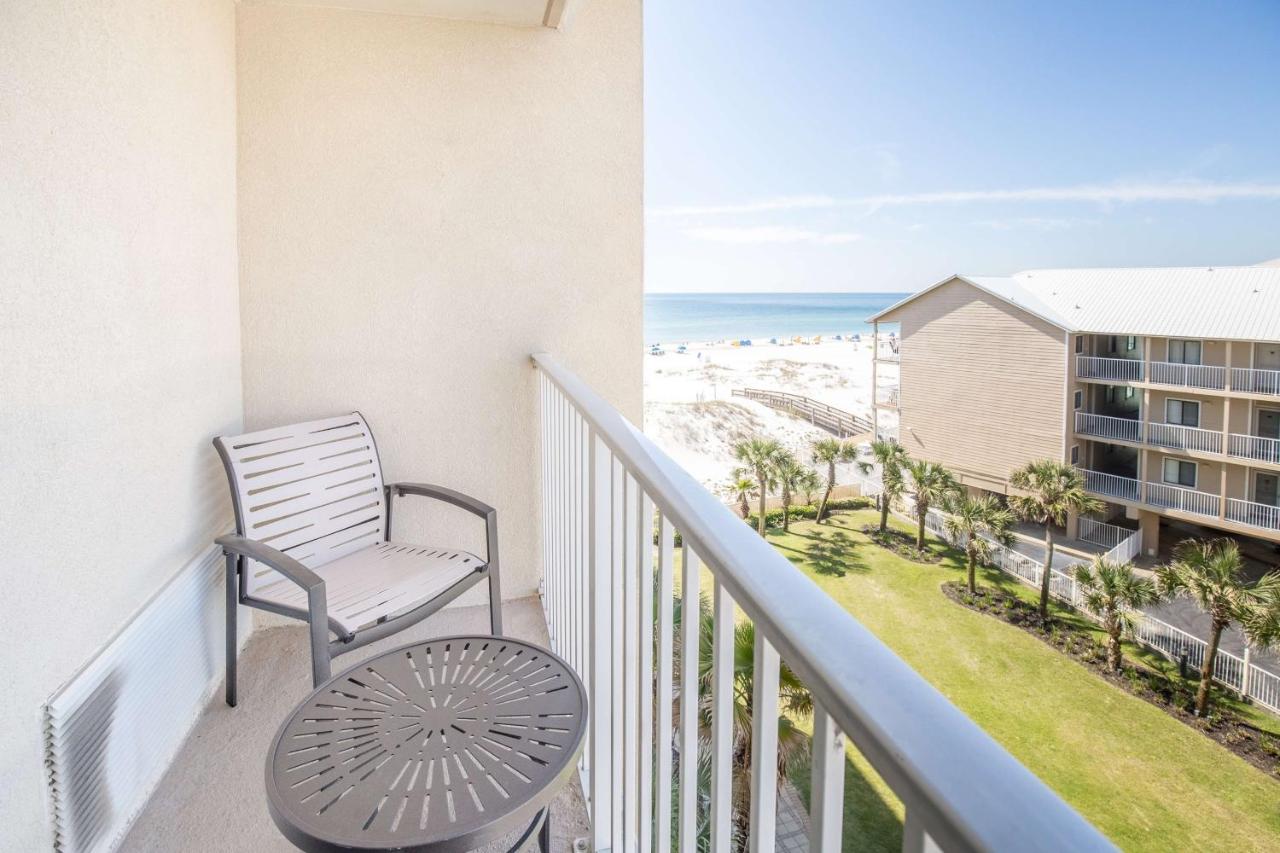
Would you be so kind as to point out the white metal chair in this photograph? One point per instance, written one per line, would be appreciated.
(313, 540)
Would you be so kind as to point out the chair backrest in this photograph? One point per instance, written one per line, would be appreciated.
(312, 490)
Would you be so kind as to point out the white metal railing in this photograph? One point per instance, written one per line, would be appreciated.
(887, 397)
(1106, 426)
(1183, 499)
(602, 481)
(1101, 533)
(1254, 514)
(1184, 437)
(1253, 381)
(1254, 447)
(1232, 671)
(1112, 485)
(1188, 375)
(1119, 369)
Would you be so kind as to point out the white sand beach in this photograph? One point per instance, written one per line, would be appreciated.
(691, 413)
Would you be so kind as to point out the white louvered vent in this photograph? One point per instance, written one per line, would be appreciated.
(110, 734)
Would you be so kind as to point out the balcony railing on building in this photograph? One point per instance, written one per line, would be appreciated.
(1254, 447)
(1117, 369)
(613, 507)
(1184, 437)
(1253, 514)
(1106, 426)
(1253, 381)
(1188, 375)
(1163, 495)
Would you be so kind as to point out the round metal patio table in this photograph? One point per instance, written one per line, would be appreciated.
(443, 745)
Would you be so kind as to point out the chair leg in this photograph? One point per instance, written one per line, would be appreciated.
(544, 833)
(233, 603)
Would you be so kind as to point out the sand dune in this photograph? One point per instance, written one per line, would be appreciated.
(691, 413)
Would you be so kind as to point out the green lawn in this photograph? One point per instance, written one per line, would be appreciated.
(1145, 779)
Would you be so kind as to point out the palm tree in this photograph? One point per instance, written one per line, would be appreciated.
(1211, 572)
(742, 489)
(789, 472)
(760, 455)
(794, 701)
(934, 486)
(809, 483)
(830, 451)
(1113, 591)
(974, 519)
(892, 457)
(1052, 491)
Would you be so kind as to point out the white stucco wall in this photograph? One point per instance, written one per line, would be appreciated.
(119, 333)
(422, 204)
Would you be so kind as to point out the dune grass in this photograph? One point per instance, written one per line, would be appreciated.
(1144, 779)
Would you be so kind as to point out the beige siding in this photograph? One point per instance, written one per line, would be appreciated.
(983, 384)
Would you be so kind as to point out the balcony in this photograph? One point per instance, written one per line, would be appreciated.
(1183, 500)
(1112, 369)
(1184, 438)
(1254, 447)
(1107, 427)
(1253, 381)
(1253, 514)
(1188, 375)
(1113, 485)
(887, 398)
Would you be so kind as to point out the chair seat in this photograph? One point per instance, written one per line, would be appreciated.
(382, 580)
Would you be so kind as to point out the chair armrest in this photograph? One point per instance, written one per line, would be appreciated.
(458, 499)
(268, 556)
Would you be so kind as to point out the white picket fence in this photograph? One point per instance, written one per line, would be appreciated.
(1233, 671)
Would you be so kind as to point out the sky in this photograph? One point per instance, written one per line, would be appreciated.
(882, 146)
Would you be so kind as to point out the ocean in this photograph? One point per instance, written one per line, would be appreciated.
(679, 317)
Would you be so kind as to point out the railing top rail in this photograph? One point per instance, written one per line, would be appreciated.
(961, 783)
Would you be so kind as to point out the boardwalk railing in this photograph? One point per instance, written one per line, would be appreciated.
(1230, 670)
(608, 595)
(842, 423)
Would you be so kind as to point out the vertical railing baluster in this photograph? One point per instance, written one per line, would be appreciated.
(690, 636)
(722, 721)
(666, 641)
(646, 674)
(764, 746)
(826, 787)
(601, 593)
(631, 666)
(615, 606)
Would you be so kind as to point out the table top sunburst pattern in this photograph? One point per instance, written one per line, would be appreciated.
(441, 745)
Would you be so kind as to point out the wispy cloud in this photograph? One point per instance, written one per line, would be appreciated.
(770, 234)
(1195, 191)
(1035, 223)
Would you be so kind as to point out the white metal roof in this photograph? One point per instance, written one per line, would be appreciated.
(1226, 303)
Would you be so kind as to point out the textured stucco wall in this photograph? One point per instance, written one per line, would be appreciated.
(423, 203)
(119, 333)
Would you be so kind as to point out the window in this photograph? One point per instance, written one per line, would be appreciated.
(1079, 343)
(1184, 412)
(1075, 454)
(1111, 344)
(1111, 393)
(1077, 399)
(1179, 473)
(1184, 352)
(1128, 393)
(1130, 344)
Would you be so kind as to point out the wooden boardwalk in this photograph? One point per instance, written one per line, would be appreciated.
(837, 421)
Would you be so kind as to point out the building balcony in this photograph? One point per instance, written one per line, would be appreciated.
(1253, 381)
(1113, 485)
(1208, 376)
(1108, 427)
(1253, 514)
(1254, 447)
(1110, 369)
(1182, 499)
(1178, 437)
(612, 508)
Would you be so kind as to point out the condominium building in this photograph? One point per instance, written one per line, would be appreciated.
(1162, 385)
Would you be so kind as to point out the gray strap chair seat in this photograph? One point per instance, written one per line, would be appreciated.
(313, 540)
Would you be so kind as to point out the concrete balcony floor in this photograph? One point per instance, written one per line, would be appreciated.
(213, 795)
